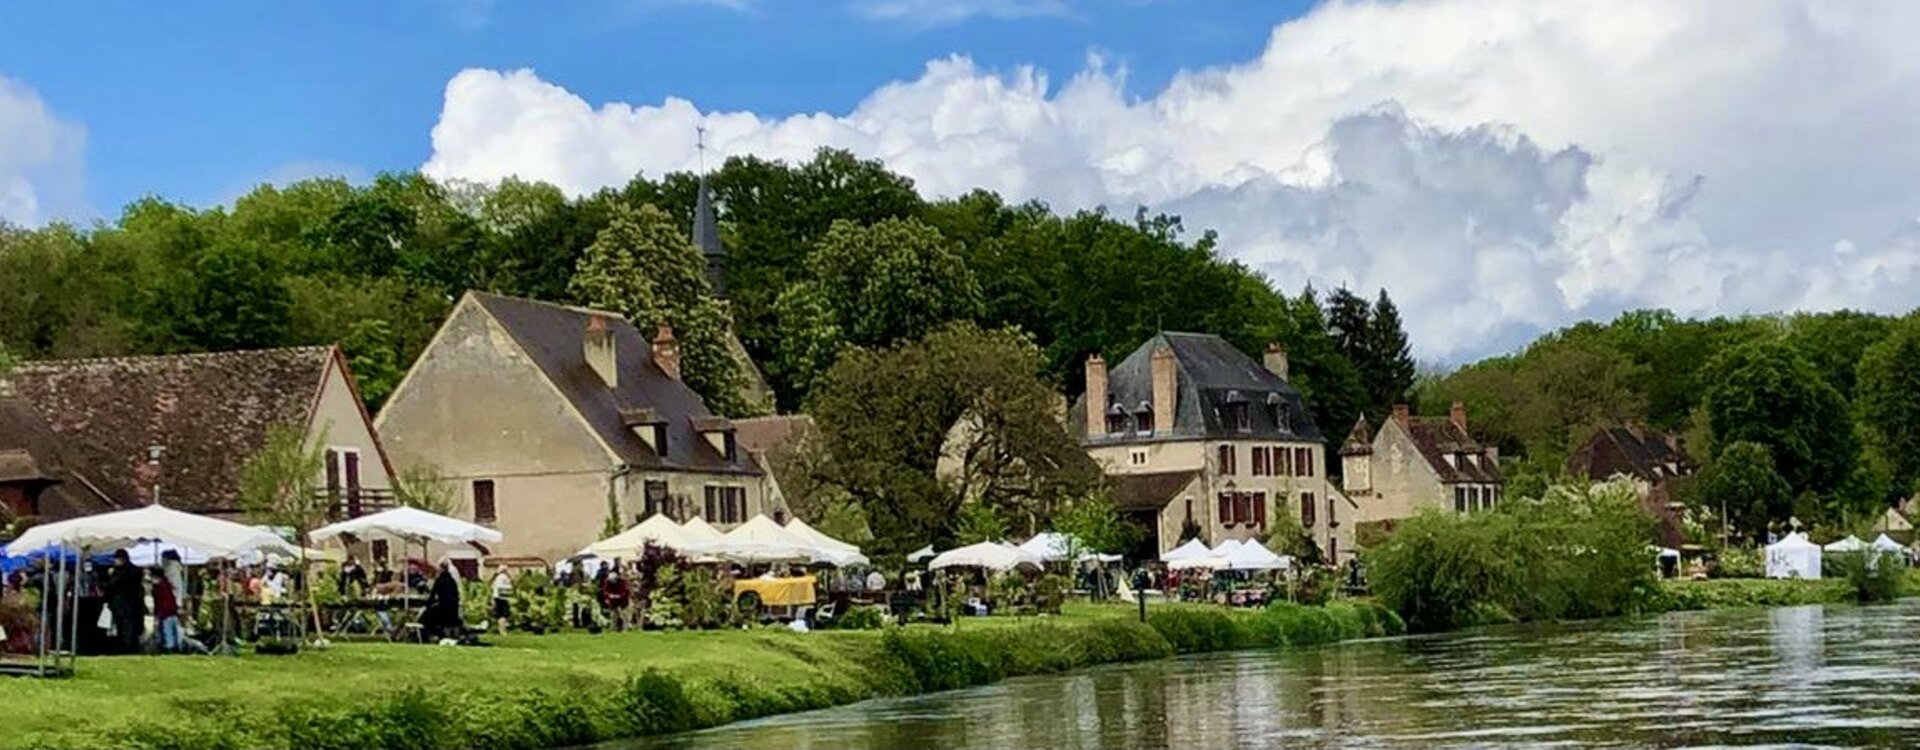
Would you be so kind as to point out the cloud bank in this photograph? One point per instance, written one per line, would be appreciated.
(42, 159)
(1501, 166)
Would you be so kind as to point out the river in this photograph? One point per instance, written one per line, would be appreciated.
(1839, 676)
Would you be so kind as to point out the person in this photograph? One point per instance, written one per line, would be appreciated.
(126, 596)
(613, 597)
(353, 579)
(442, 616)
(382, 573)
(502, 598)
(176, 574)
(166, 612)
(876, 582)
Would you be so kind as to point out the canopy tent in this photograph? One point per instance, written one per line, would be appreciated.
(1850, 544)
(1251, 555)
(833, 551)
(1193, 549)
(988, 555)
(759, 540)
(121, 529)
(697, 531)
(1884, 543)
(657, 529)
(923, 553)
(410, 524)
(1052, 546)
(1793, 557)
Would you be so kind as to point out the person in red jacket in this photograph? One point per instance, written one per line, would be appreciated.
(166, 612)
(614, 596)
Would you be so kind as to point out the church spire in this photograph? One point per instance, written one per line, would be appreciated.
(706, 227)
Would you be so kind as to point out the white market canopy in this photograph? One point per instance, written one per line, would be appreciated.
(209, 536)
(1193, 549)
(410, 524)
(658, 530)
(1252, 555)
(697, 531)
(920, 554)
(988, 555)
(1052, 546)
(831, 551)
(1793, 557)
(759, 540)
(1850, 544)
(1884, 543)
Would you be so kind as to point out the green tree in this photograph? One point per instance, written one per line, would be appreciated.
(278, 488)
(645, 268)
(1390, 367)
(978, 523)
(1765, 392)
(233, 300)
(423, 486)
(1887, 400)
(1094, 525)
(1742, 488)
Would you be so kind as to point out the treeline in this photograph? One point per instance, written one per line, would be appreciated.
(832, 252)
(1807, 416)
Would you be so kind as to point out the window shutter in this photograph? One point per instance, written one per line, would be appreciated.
(333, 471)
(1306, 510)
(1260, 509)
(483, 502)
(1245, 509)
(1226, 509)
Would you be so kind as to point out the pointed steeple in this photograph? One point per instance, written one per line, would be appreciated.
(706, 236)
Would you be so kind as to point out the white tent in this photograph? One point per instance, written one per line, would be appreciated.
(1850, 544)
(832, 551)
(1884, 543)
(697, 531)
(989, 555)
(630, 544)
(410, 524)
(1793, 557)
(759, 540)
(1251, 555)
(210, 536)
(1194, 548)
(920, 554)
(1051, 546)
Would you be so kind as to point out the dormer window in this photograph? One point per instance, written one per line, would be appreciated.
(1235, 412)
(732, 448)
(1277, 410)
(659, 439)
(1116, 419)
(1143, 418)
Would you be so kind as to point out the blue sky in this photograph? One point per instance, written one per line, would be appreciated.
(197, 101)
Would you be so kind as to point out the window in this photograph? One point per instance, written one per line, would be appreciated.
(653, 499)
(726, 504)
(379, 550)
(1226, 509)
(483, 506)
(1260, 509)
(1459, 499)
(1243, 507)
(1286, 461)
(1226, 460)
(660, 440)
(1116, 421)
(1302, 462)
(1237, 416)
(1332, 508)
(1137, 457)
(1189, 510)
(733, 448)
(1143, 418)
(343, 480)
(1306, 509)
(1260, 460)
(1473, 498)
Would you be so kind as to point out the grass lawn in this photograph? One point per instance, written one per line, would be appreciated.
(109, 692)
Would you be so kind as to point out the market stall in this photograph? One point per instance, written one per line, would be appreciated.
(1793, 557)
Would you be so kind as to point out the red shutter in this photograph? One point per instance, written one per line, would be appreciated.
(1306, 510)
(1226, 509)
(1245, 512)
(1260, 509)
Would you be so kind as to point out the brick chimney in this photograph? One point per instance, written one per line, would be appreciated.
(1457, 414)
(1276, 359)
(1096, 395)
(597, 345)
(1400, 414)
(666, 352)
(1163, 388)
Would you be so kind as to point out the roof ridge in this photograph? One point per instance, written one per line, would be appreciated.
(544, 303)
(223, 354)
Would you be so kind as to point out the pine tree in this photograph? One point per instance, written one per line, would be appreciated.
(1389, 360)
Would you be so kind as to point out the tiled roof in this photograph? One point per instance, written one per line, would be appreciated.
(31, 454)
(1209, 373)
(551, 336)
(1438, 437)
(772, 434)
(1136, 492)
(209, 413)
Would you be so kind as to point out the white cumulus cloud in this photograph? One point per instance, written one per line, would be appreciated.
(1501, 166)
(42, 159)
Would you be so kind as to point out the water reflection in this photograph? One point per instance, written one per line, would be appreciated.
(1798, 675)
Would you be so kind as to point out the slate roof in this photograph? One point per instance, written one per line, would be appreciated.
(1208, 373)
(1359, 439)
(1648, 454)
(1138, 492)
(1437, 437)
(773, 434)
(551, 336)
(31, 454)
(706, 236)
(210, 413)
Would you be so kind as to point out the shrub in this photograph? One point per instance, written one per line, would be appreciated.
(1737, 562)
(861, 618)
(653, 702)
(1872, 576)
(1193, 630)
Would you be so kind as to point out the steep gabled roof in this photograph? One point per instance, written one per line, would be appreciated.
(706, 236)
(1439, 437)
(1137, 492)
(31, 454)
(1209, 373)
(209, 413)
(551, 336)
(1359, 439)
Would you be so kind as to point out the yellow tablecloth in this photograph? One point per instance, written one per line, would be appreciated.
(777, 592)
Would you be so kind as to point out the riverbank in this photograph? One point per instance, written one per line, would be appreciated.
(572, 689)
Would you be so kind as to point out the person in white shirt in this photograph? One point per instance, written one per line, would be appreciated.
(876, 582)
(502, 586)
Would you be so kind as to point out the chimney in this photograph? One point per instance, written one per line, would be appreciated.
(1457, 414)
(598, 348)
(1400, 414)
(666, 352)
(1163, 388)
(1276, 359)
(1096, 395)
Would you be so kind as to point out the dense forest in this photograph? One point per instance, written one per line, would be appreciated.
(1806, 415)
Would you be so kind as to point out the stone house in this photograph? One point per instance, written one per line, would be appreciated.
(1192, 433)
(90, 435)
(551, 419)
(1412, 463)
(1655, 461)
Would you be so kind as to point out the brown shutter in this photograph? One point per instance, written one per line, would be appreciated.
(483, 502)
(352, 461)
(1260, 509)
(1226, 508)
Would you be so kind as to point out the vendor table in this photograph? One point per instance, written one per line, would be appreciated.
(778, 592)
